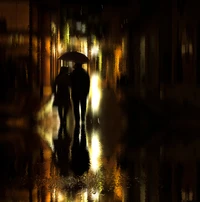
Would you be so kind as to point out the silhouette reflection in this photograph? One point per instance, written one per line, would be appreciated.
(80, 159)
(61, 150)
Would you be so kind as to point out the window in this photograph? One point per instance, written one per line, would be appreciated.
(16, 39)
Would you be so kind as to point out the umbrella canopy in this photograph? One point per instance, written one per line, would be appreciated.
(74, 56)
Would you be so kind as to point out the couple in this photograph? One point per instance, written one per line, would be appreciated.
(79, 82)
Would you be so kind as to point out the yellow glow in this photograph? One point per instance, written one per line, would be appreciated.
(47, 108)
(107, 70)
(95, 152)
(79, 44)
(83, 46)
(67, 33)
(95, 92)
(100, 61)
(118, 54)
(53, 27)
(82, 196)
(85, 196)
(124, 53)
(94, 50)
(118, 187)
(48, 122)
(95, 196)
(94, 39)
(60, 49)
(58, 196)
(187, 195)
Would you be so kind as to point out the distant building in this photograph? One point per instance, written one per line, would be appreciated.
(165, 51)
(29, 35)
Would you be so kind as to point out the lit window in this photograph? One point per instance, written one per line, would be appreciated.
(16, 39)
(83, 28)
(78, 26)
(53, 28)
(183, 49)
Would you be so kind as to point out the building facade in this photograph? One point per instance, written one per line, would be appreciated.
(29, 37)
(165, 51)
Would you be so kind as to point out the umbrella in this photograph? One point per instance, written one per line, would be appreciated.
(74, 56)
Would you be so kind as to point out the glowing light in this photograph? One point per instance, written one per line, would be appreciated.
(58, 196)
(83, 46)
(47, 108)
(78, 26)
(83, 28)
(94, 50)
(60, 48)
(95, 196)
(82, 196)
(85, 196)
(118, 187)
(100, 61)
(118, 54)
(53, 27)
(67, 34)
(95, 152)
(95, 92)
(48, 122)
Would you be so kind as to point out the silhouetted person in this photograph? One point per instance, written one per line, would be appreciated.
(62, 93)
(80, 159)
(80, 85)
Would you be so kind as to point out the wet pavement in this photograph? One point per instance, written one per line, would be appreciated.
(48, 163)
(119, 155)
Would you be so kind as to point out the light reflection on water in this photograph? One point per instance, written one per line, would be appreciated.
(104, 180)
(95, 152)
(101, 176)
(95, 92)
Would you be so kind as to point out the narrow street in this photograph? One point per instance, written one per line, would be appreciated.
(122, 154)
(140, 141)
(59, 170)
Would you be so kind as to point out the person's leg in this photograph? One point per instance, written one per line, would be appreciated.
(66, 108)
(76, 109)
(83, 108)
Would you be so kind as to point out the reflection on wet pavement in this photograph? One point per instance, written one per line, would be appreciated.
(99, 161)
(71, 163)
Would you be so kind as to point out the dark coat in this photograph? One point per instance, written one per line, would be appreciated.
(61, 90)
(80, 82)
